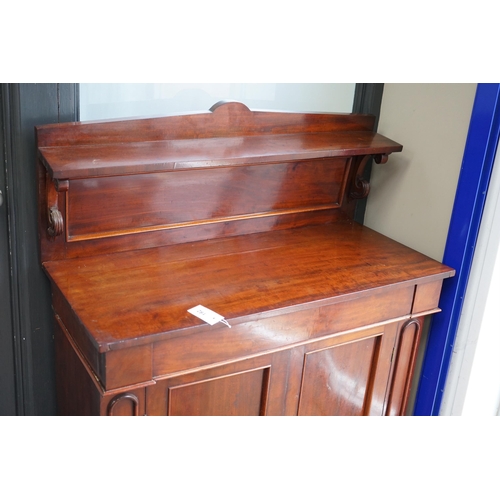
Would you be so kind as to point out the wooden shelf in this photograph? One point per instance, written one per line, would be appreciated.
(81, 161)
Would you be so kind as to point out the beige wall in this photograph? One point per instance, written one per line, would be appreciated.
(412, 195)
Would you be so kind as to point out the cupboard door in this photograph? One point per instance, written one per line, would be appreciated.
(247, 388)
(366, 372)
(347, 375)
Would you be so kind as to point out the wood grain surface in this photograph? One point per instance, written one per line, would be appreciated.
(139, 293)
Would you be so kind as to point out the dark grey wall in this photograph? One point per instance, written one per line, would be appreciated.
(27, 335)
(367, 99)
(7, 356)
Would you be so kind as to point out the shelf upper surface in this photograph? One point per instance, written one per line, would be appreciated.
(229, 134)
(132, 295)
(81, 161)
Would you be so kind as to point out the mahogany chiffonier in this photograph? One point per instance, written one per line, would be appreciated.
(249, 214)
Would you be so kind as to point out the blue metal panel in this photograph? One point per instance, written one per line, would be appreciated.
(477, 164)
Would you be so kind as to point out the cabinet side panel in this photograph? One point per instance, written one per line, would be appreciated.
(77, 330)
(127, 366)
(77, 393)
(427, 297)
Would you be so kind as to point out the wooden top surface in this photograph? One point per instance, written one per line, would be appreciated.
(125, 297)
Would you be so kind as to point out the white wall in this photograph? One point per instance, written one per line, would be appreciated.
(124, 100)
(483, 390)
(473, 383)
(412, 195)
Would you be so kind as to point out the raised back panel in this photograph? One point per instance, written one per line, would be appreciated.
(225, 119)
(175, 199)
(109, 187)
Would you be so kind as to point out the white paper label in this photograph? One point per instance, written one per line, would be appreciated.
(207, 315)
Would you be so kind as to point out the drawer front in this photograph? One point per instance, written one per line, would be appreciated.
(221, 344)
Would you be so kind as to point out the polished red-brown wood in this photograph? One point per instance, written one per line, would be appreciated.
(225, 119)
(148, 292)
(117, 186)
(249, 387)
(158, 201)
(250, 214)
(159, 156)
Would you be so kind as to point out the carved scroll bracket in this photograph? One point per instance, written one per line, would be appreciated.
(54, 215)
(361, 187)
